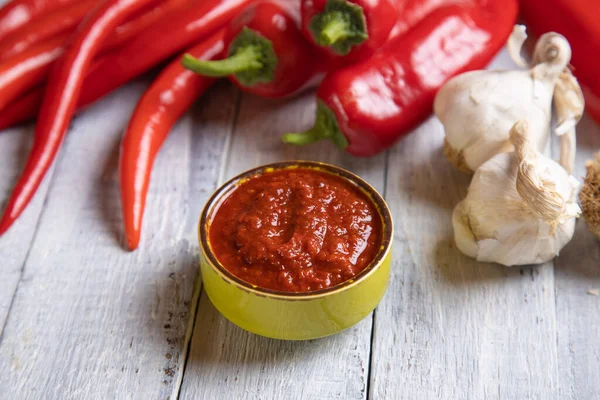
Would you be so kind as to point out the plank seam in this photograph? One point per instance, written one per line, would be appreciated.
(31, 242)
(198, 293)
(374, 317)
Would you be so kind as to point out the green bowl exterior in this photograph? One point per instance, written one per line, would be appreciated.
(296, 319)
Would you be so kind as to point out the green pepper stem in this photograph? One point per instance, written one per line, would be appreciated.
(326, 127)
(246, 58)
(312, 135)
(337, 28)
(340, 26)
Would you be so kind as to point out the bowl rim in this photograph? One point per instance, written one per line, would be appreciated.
(373, 195)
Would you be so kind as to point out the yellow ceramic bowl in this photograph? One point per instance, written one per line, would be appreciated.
(295, 316)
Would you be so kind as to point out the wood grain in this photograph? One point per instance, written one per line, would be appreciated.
(90, 320)
(578, 312)
(450, 327)
(227, 362)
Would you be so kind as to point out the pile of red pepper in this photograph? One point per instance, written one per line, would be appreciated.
(379, 64)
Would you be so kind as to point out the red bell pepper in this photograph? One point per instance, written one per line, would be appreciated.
(268, 55)
(366, 107)
(60, 99)
(348, 29)
(25, 70)
(579, 22)
(169, 96)
(58, 21)
(17, 13)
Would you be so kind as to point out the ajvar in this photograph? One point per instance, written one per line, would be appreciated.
(295, 230)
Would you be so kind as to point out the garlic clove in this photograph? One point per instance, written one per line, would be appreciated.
(590, 195)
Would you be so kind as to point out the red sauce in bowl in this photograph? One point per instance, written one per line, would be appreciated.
(296, 230)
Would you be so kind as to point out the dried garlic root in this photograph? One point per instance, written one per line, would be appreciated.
(590, 195)
(478, 108)
(520, 209)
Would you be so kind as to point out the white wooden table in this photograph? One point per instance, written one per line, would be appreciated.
(81, 318)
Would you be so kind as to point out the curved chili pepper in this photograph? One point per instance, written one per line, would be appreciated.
(130, 29)
(22, 71)
(63, 19)
(184, 27)
(268, 55)
(169, 96)
(23, 109)
(60, 99)
(366, 107)
(348, 29)
(151, 47)
(26, 70)
(579, 22)
(17, 13)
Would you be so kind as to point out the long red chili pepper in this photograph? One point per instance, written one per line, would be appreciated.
(152, 46)
(26, 70)
(130, 29)
(60, 99)
(348, 29)
(23, 109)
(169, 96)
(17, 13)
(63, 19)
(268, 55)
(579, 22)
(366, 107)
(22, 71)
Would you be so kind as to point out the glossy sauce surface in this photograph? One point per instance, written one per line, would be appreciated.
(295, 230)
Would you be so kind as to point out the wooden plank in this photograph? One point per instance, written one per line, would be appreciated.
(14, 244)
(89, 319)
(451, 328)
(227, 362)
(577, 270)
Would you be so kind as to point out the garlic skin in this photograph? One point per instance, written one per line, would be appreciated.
(520, 208)
(590, 195)
(479, 108)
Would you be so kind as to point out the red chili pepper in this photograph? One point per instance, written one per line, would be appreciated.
(268, 55)
(26, 70)
(17, 13)
(348, 29)
(130, 29)
(58, 21)
(579, 22)
(23, 109)
(169, 96)
(60, 99)
(184, 27)
(366, 107)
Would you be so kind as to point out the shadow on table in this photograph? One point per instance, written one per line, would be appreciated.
(216, 340)
(106, 191)
(459, 269)
(581, 256)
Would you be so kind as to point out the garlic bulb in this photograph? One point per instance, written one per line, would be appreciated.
(520, 208)
(478, 108)
(590, 195)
